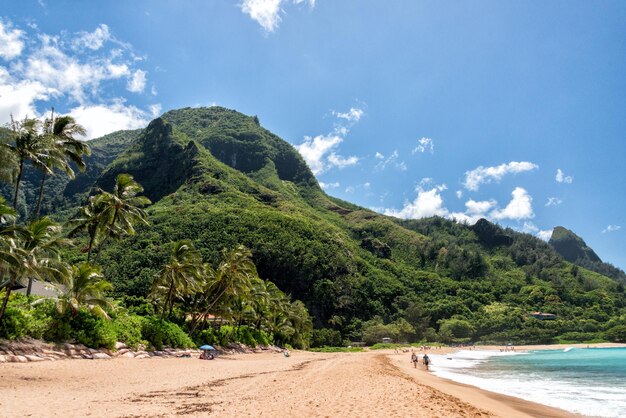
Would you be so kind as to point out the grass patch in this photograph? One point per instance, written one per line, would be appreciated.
(336, 349)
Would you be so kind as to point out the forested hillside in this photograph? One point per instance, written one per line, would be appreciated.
(218, 179)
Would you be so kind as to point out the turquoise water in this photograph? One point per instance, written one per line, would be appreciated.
(588, 381)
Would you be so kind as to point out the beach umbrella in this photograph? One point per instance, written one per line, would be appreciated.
(207, 347)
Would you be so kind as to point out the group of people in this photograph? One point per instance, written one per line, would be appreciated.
(415, 360)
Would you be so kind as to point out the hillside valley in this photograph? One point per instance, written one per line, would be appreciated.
(216, 177)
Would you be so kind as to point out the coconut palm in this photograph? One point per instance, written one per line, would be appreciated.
(63, 148)
(179, 276)
(27, 144)
(8, 159)
(111, 214)
(232, 278)
(36, 248)
(84, 287)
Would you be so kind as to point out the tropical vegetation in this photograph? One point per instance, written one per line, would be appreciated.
(205, 227)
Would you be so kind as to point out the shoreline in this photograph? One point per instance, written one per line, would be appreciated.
(367, 383)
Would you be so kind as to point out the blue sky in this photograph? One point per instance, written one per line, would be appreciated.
(514, 111)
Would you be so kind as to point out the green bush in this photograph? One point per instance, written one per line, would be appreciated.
(92, 331)
(162, 333)
(617, 334)
(128, 330)
(326, 337)
(14, 324)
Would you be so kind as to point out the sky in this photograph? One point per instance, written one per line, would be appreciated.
(511, 111)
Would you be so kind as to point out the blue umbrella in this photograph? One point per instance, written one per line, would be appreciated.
(207, 347)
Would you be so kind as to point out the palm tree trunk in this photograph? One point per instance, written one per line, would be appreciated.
(169, 296)
(91, 240)
(43, 180)
(17, 184)
(30, 286)
(6, 297)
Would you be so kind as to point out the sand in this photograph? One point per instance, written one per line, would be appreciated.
(368, 384)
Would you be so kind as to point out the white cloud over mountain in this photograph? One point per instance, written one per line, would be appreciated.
(483, 175)
(520, 207)
(320, 152)
(41, 70)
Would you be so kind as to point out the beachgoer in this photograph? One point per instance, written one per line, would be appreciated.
(426, 360)
(414, 359)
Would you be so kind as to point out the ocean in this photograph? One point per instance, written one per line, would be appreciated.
(588, 381)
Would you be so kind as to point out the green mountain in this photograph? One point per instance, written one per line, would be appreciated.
(572, 248)
(218, 178)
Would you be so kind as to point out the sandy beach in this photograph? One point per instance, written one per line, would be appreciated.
(368, 384)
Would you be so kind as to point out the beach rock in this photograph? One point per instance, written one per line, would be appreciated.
(128, 354)
(3, 358)
(120, 345)
(17, 359)
(122, 351)
(92, 350)
(140, 356)
(76, 357)
(86, 356)
(54, 353)
(31, 357)
(101, 356)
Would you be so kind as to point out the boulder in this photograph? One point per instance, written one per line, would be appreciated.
(101, 356)
(17, 359)
(31, 357)
(140, 356)
(122, 352)
(3, 358)
(128, 354)
(120, 345)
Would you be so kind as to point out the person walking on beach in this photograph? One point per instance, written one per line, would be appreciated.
(414, 359)
(426, 360)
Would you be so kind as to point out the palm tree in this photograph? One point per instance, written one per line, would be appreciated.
(27, 145)
(8, 160)
(179, 276)
(63, 148)
(85, 287)
(111, 214)
(232, 278)
(36, 248)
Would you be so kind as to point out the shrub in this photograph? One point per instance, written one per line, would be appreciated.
(128, 330)
(92, 331)
(161, 333)
(14, 324)
(326, 337)
(617, 334)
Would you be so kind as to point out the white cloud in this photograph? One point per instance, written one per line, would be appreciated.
(479, 208)
(70, 70)
(137, 82)
(553, 201)
(459, 194)
(92, 40)
(338, 161)
(267, 12)
(320, 152)
(352, 115)
(545, 234)
(313, 150)
(427, 203)
(327, 186)
(391, 160)
(18, 98)
(425, 144)
(155, 110)
(480, 175)
(611, 228)
(562, 178)
(520, 207)
(531, 228)
(11, 43)
(100, 120)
